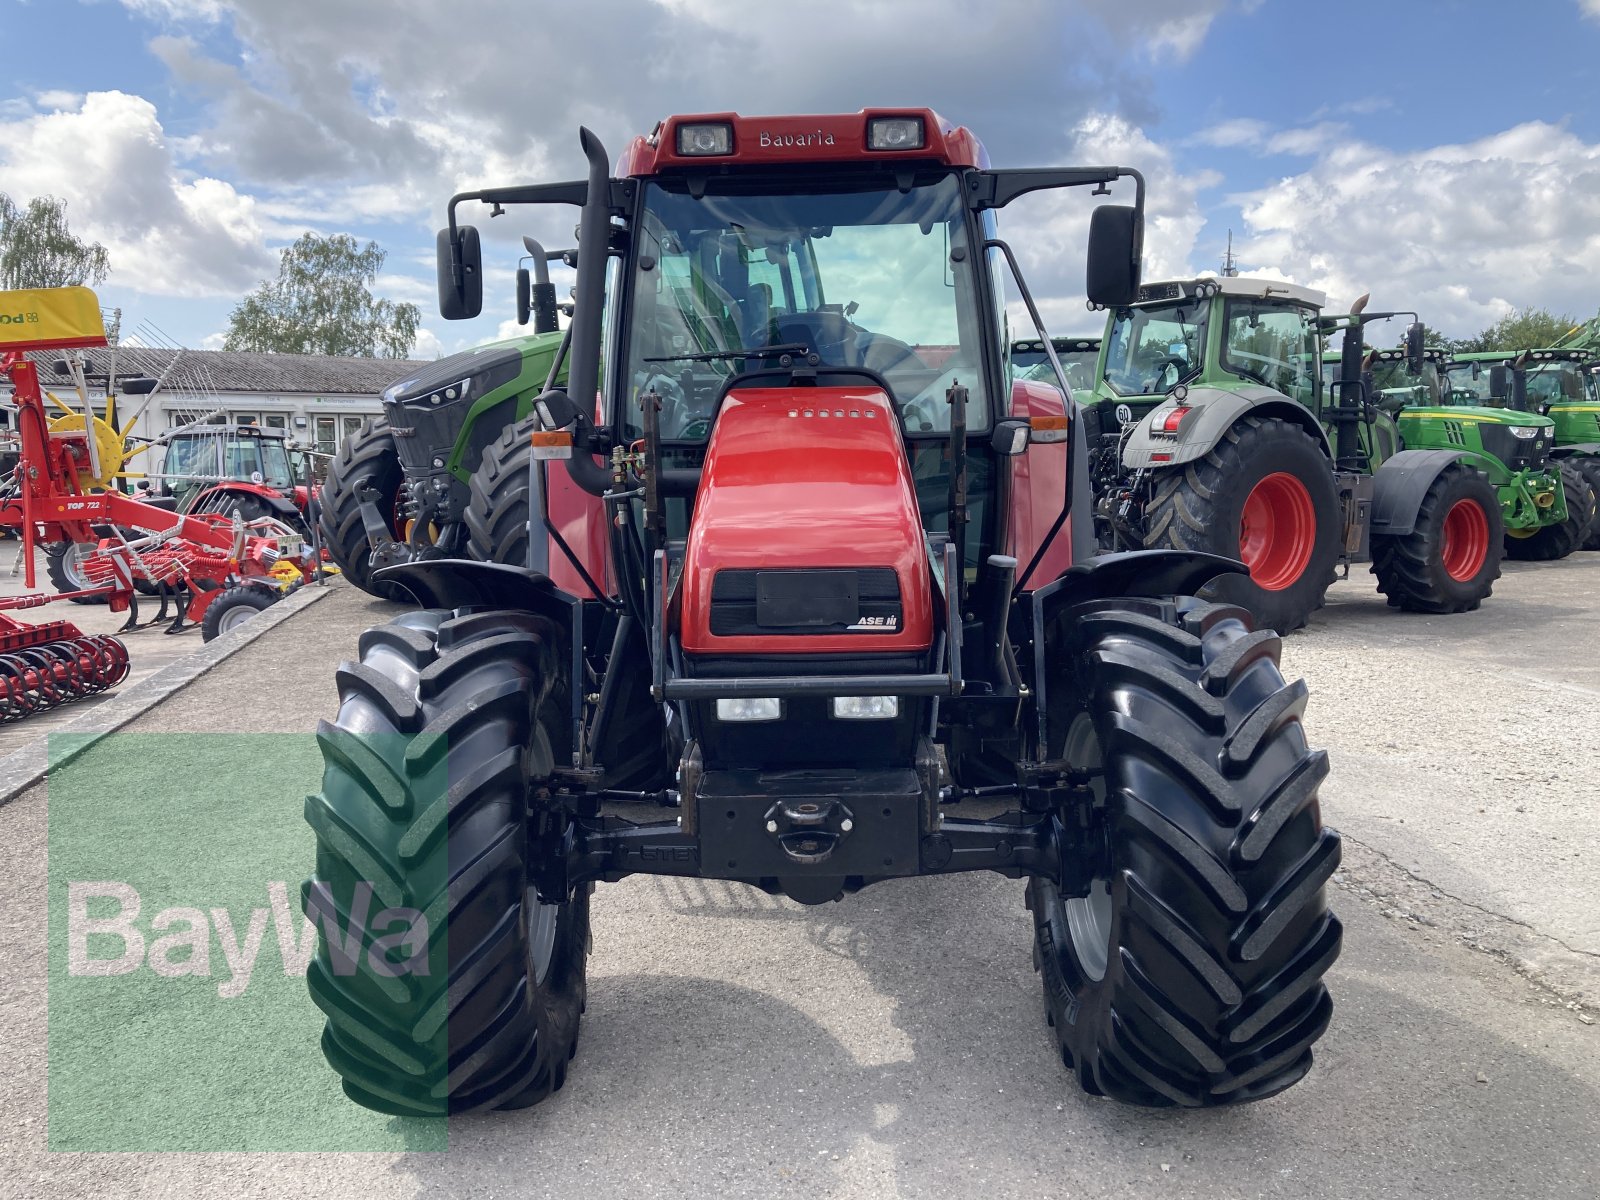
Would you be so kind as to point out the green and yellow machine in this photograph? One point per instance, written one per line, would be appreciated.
(1218, 433)
(1544, 386)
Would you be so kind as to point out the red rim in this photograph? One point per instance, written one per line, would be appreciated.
(1277, 531)
(1466, 540)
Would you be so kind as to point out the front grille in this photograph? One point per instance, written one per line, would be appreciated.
(1519, 454)
(795, 601)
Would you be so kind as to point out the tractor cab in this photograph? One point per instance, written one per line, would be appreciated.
(1078, 356)
(201, 456)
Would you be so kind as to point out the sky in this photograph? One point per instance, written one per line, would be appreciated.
(1442, 155)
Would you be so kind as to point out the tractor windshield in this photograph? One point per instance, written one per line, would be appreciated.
(1031, 363)
(1472, 383)
(1554, 383)
(1393, 380)
(1155, 347)
(880, 279)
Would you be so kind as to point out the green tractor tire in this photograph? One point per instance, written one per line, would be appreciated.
(1550, 542)
(367, 458)
(1449, 561)
(1265, 495)
(1590, 466)
(423, 819)
(1191, 972)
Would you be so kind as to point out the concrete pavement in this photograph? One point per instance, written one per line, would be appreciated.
(894, 1044)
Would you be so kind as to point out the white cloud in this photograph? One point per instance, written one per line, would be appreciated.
(168, 232)
(1462, 233)
(1591, 8)
(55, 100)
(1050, 230)
(1237, 131)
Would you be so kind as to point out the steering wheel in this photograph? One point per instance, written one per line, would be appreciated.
(1170, 362)
(829, 334)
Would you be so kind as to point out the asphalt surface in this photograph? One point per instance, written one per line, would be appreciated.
(894, 1044)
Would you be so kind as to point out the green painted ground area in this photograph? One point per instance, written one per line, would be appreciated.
(157, 1041)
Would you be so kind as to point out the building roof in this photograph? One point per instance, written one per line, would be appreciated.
(220, 372)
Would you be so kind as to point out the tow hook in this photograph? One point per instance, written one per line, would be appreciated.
(809, 830)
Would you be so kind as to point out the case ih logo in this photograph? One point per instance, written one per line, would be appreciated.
(875, 623)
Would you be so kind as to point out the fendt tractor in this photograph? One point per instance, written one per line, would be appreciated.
(1220, 436)
(418, 482)
(808, 607)
(1078, 357)
(1564, 495)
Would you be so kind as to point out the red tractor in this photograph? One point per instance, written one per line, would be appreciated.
(809, 601)
(222, 569)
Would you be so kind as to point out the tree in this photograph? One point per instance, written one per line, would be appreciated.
(322, 303)
(37, 250)
(1521, 329)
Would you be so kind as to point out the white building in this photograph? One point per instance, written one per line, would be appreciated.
(320, 399)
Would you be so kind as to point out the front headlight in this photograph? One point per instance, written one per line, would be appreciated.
(1527, 431)
(751, 708)
(866, 708)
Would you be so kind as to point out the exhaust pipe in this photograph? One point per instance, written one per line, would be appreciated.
(583, 373)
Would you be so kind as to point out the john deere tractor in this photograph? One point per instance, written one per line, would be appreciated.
(403, 486)
(1219, 435)
(1078, 357)
(807, 605)
(1540, 388)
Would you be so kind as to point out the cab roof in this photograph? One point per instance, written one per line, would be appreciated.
(1233, 285)
(781, 140)
(1061, 344)
(1480, 356)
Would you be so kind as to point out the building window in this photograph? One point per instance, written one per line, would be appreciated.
(351, 427)
(327, 435)
(277, 420)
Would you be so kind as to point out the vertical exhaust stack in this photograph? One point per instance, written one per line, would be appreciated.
(594, 238)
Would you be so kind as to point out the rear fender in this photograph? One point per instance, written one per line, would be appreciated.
(1212, 413)
(1400, 484)
(1579, 450)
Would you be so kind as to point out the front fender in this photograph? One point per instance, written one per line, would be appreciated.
(467, 583)
(1213, 412)
(1399, 485)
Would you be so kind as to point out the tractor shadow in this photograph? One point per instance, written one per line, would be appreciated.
(895, 1045)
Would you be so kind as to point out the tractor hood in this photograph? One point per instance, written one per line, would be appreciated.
(806, 535)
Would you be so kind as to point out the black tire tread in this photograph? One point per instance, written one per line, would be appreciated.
(497, 508)
(368, 454)
(443, 832)
(1409, 568)
(1213, 992)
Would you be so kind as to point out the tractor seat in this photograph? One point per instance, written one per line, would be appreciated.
(170, 503)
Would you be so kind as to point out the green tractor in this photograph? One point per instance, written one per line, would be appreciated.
(420, 481)
(1078, 357)
(1562, 512)
(1217, 433)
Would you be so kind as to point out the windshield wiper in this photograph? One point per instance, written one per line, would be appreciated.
(718, 355)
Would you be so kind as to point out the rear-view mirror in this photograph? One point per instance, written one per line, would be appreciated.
(460, 274)
(524, 295)
(1116, 243)
(1499, 382)
(1414, 347)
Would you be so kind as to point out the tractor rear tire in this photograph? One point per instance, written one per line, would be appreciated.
(1263, 495)
(1191, 972)
(1449, 561)
(1551, 542)
(442, 727)
(497, 512)
(367, 457)
(1590, 467)
(232, 607)
(63, 564)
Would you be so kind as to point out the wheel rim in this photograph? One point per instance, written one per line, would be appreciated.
(1466, 540)
(1089, 917)
(72, 566)
(1277, 531)
(542, 922)
(234, 617)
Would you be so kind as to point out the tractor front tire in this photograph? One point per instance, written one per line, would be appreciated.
(1264, 495)
(497, 512)
(367, 458)
(1590, 467)
(1191, 971)
(442, 727)
(232, 608)
(63, 563)
(1449, 561)
(1555, 541)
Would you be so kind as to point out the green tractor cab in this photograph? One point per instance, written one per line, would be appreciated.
(1078, 357)
(1543, 389)
(1229, 432)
